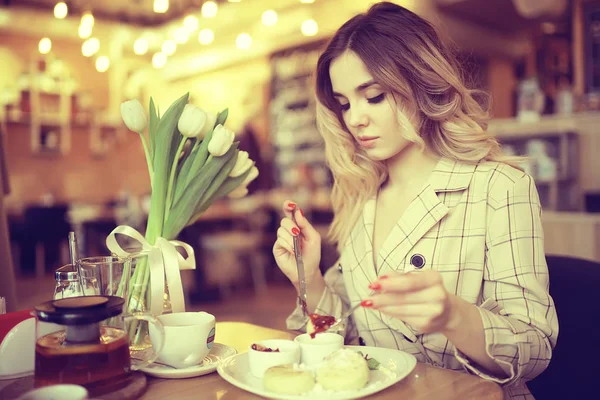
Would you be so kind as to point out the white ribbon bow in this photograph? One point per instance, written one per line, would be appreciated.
(164, 260)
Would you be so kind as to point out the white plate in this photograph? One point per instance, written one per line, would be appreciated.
(218, 353)
(236, 371)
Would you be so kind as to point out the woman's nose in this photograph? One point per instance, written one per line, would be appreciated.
(357, 117)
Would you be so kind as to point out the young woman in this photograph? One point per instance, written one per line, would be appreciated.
(420, 186)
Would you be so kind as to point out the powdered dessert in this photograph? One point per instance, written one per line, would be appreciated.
(343, 370)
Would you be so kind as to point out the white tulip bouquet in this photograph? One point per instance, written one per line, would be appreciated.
(192, 161)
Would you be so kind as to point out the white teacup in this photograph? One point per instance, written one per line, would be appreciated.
(189, 336)
(260, 361)
(314, 351)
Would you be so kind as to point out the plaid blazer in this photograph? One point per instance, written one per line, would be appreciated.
(480, 227)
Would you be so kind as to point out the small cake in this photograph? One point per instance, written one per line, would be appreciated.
(285, 379)
(343, 370)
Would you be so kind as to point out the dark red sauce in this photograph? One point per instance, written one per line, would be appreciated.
(321, 323)
(258, 347)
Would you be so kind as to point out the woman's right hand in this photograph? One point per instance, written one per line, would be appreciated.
(283, 250)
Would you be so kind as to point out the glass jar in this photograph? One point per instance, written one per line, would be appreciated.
(67, 282)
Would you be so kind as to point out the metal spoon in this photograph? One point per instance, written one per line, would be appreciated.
(337, 324)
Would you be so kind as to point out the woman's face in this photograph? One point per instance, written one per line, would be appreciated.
(369, 112)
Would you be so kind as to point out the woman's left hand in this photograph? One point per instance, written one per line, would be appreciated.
(417, 298)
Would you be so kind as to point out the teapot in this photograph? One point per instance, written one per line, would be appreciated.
(90, 344)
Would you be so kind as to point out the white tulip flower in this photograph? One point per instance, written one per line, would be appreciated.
(133, 115)
(242, 164)
(211, 119)
(251, 176)
(192, 122)
(221, 141)
(238, 192)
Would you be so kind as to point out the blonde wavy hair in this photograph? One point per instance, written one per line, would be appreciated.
(405, 55)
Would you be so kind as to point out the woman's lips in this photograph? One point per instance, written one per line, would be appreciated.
(367, 141)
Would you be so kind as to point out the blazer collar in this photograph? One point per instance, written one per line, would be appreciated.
(451, 175)
(426, 210)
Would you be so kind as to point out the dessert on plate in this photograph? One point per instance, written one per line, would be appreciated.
(288, 379)
(343, 370)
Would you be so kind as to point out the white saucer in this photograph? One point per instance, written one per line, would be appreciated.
(236, 370)
(218, 353)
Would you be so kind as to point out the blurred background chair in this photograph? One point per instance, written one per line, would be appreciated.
(573, 370)
(232, 243)
(7, 276)
(236, 254)
(45, 230)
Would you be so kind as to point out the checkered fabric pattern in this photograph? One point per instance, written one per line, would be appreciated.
(480, 227)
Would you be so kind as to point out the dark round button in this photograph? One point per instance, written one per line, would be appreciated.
(339, 267)
(417, 261)
(361, 341)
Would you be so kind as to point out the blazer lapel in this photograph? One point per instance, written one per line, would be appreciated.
(368, 218)
(425, 211)
(421, 215)
(359, 269)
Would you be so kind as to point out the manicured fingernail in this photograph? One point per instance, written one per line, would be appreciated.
(375, 286)
(301, 213)
(383, 277)
(367, 303)
(295, 231)
(291, 205)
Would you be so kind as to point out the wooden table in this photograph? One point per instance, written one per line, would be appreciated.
(425, 382)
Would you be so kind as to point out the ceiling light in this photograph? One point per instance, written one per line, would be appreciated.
(159, 60)
(181, 35)
(45, 45)
(161, 6)
(169, 47)
(309, 27)
(85, 31)
(102, 64)
(190, 23)
(206, 36)
(307, 1)
(90, 47)
(61, 10)
(87, 19)
(269, 18)
(140, 46)
(243, 41)
(209, 9)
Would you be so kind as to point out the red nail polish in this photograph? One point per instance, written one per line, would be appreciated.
(291, 205)
(375, 286)
(295, 231)
(367, 303)
(301, 213)
(383, 277)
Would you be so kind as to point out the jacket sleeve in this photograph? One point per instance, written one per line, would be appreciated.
(518, 314)
(334, 301)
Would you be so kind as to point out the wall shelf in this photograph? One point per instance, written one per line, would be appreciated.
(574, 143)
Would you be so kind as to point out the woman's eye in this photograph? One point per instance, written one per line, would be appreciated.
(376, 99)
(345, 107)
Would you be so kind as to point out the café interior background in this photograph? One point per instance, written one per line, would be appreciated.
(69, 163)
